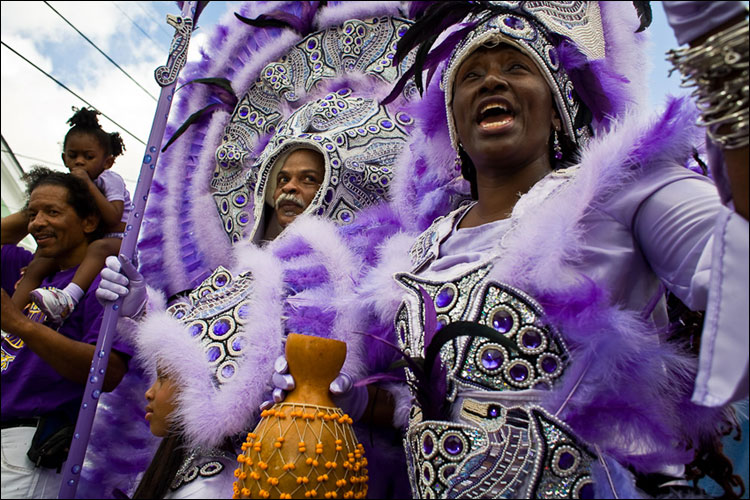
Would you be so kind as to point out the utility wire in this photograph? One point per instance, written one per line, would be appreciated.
(60, 165)
(136, 24)
(32, 158)
(162, 26)
(100, 51)
(66, 88)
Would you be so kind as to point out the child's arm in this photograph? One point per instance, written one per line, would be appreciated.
(111, 211)
(14, 228)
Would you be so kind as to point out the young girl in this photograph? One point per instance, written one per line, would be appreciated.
(89, 152)
(175, 467)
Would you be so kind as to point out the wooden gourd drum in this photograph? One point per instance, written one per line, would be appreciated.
(304, 447)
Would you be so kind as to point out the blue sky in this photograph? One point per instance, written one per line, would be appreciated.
(135, 35)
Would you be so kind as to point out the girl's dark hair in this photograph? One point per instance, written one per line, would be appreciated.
(162, 469)
(85, 121)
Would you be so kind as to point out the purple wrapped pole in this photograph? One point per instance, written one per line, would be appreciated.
(166, 77)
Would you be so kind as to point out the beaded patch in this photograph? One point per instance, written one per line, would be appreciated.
(510, 452)
(199, 463)
(372, 142)
(214, 313)
(475, 362)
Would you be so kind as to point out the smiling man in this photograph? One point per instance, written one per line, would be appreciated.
(44, 369)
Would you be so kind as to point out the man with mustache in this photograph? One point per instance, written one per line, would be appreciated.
(44, 368)
(293, 185)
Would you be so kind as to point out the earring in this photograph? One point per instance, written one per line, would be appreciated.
(556, 147)
(457, 161)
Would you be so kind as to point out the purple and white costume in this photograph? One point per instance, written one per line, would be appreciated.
(112, 185)
(585, 383)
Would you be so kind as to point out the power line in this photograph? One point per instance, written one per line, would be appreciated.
(66, 88)
(161, 26)
(100, 51)
(60, 165)
(33, 158)
(136, 24)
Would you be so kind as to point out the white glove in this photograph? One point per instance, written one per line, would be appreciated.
(120, 278)
(352, 400)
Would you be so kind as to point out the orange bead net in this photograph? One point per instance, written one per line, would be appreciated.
(302, 451)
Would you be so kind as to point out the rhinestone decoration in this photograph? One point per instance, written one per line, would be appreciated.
(213, 314)
(503, 455)
(343, 132)
(476, 362)
(200, 462)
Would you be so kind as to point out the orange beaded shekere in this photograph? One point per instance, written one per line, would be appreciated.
(307, 452)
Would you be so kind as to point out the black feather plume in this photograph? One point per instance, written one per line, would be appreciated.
(644, 14)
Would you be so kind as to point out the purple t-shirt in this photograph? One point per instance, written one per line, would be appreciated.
(30, 387)
(13, 260)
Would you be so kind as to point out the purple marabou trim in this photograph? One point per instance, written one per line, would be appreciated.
(308, 277)
(371, 227)
(343, 11)
(295, 247)
(309, 320)
(595, 82)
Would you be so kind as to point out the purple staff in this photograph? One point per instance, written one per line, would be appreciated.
(166, 77)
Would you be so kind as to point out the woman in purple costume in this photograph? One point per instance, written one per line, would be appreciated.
(550, 366)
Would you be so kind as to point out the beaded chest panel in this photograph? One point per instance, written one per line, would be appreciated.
(503, 446)
(477, 363)
(511, 452)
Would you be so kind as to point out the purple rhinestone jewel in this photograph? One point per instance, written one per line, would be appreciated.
(179, 314)
(448, 471)
(221, 280)
(454, 445)
(492, 358)
(502, 321)
(586, 491)
(493, 411)
(221, 327)
(445, 297)
(240, 199)
(213, 354)
(227, 371)
(513, 23)
(428, 445)
(519, 372)
(440, 324)
(566, 460)
(237, 345)
(549, 364)
(531, 339)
